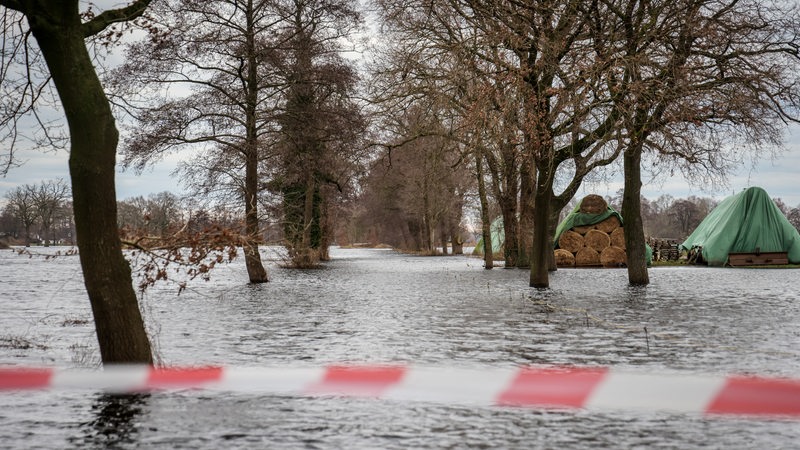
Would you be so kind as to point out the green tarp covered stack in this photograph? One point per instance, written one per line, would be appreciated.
(748, 222)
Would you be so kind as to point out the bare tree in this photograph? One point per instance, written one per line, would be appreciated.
(794, 217)
(23, 207)
(319, 120)
(426, 65)
(703, 74)
(686, 215)
(551, 57)
(49, 197)
(205, 79)
(60, 31)
(157, 215)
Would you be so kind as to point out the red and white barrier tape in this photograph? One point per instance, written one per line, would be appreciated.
(594, 388)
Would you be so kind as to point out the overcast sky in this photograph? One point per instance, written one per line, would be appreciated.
(780, 178)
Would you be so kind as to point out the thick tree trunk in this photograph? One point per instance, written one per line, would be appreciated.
(415, 231)
(93, 143)
(527, 210)
(488, 258)
(443, 238)
(455, 228)
(308, 212)
(542, 249)
(325, 226)
(510, 226)
(458, 243)
(632, 216)
(252, 258)
(505, 186)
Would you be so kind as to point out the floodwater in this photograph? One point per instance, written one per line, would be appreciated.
(378, 306)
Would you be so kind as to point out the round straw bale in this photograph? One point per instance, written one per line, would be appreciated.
(587, 256)
(583, 230)
(570, 241)
(597, 240)
(564, 258)
(593, 204)
(618, 238)
(613, 257)
(608, 225)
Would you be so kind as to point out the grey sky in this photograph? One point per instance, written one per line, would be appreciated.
(780, 178)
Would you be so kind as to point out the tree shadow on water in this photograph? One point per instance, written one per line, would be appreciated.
(115, 421)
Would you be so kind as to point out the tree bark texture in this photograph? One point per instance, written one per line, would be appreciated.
(93, 134)
(542, 248)
(526, 214)
(632, 215)
(505, 185)
(488, 258)
(255, 268)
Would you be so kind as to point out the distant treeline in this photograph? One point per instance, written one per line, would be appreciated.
(41, 214)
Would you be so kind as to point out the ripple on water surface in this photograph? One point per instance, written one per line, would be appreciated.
(380, 306)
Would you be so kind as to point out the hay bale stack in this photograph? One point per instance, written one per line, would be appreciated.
(618, 238)
(613, 256)
(583, 230)
(609, 225)
(564, 258)
(571, 241)
(602, 243)
(593, 204)
(597, 240)
(587, 256)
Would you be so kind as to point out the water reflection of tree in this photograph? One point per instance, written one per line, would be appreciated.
(114, 420)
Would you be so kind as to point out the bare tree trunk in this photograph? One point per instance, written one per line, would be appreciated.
(488, 258)
(505, 184)
(443, 237)
(325, 227)
(93, 143)
(308, 213)
(458, 243)
(542, 250)
(255, 268)
(510, 227)
(632, 215)
(527, 209)
(427, 220)
(455, 229)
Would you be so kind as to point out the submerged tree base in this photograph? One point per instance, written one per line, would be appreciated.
(307, 258)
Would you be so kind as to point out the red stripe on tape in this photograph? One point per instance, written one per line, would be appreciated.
(364, 381)
(189, 376)
(753, 395)
(24, 378)
(554, 387)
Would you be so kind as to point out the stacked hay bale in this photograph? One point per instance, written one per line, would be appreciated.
(600, 244)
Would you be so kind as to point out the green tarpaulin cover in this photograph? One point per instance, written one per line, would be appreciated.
(578, 219)
(498, 234)
(743, 223)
